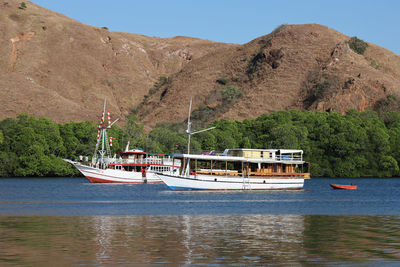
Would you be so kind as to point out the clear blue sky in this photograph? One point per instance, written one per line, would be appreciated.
(235, 21)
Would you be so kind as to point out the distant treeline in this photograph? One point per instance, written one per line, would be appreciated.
(357, 144)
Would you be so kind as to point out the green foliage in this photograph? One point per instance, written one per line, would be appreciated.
(390, 102)
(201, 115)
(375, 65)
(320, 88)
(255, 63)
(133, 131)
(357, 45)
(231, 93)
(31, 147)
(222, 80)
(35, 147)
(162, 81)
(168, 141)
(79, 138)
(22, 5)
(357, 144)
(159, 84)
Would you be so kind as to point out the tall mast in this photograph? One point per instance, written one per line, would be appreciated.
(99, 154)
(189, 133)
(103, 131)
(189, 125)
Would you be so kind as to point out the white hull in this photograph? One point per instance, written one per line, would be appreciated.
(96, 175)
(210, 182)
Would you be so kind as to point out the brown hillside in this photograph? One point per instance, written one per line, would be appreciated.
(56, 67)
(306, 67)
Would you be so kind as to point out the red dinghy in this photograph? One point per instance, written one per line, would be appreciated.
(347, 187)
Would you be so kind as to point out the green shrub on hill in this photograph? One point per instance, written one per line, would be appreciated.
(22, 5)
(357, 45)
(222, 80)
(231, 93)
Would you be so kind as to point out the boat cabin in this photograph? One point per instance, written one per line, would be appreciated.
(137, 160)
(137, 156)
(263, 163)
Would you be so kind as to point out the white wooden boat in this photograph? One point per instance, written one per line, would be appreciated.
(240, 169)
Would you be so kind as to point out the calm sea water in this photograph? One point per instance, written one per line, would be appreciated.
(69, 222)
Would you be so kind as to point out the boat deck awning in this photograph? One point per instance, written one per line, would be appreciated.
(240, 159)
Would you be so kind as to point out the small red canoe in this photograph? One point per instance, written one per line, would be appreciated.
(348, 187)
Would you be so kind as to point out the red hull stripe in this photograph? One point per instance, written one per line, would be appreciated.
(111, 177)
(141, 153)
(103, 181)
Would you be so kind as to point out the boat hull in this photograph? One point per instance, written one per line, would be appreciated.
(199, 182)
(344, 187)
(96, 175)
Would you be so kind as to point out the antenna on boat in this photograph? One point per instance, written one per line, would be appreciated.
(189, 133)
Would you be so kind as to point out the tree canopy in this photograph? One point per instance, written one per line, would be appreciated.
(356, 144)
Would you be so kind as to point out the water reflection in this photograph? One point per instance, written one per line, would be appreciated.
(191, 240)
(200, 239)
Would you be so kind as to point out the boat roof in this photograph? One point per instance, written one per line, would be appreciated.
(139, 151)
(282, 151)
(240, 159)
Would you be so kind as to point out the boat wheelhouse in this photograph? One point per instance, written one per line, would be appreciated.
(240, 169)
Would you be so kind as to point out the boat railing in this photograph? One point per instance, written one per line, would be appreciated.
(146, 161)
(253, 174)
(288, 157)
(217, 172)
(283, 158)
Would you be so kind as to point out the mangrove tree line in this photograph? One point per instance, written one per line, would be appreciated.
(356, 144)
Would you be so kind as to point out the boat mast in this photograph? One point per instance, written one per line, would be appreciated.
(189, 125)
(102, 137)
(189, 133)
(104, 133)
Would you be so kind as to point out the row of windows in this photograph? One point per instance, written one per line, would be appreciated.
(152, 168)
(159, 168)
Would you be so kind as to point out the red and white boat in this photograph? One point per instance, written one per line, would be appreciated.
(346, 187)
(132, 166)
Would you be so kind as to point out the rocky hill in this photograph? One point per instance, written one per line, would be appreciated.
(305, 67)
(56, 67)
